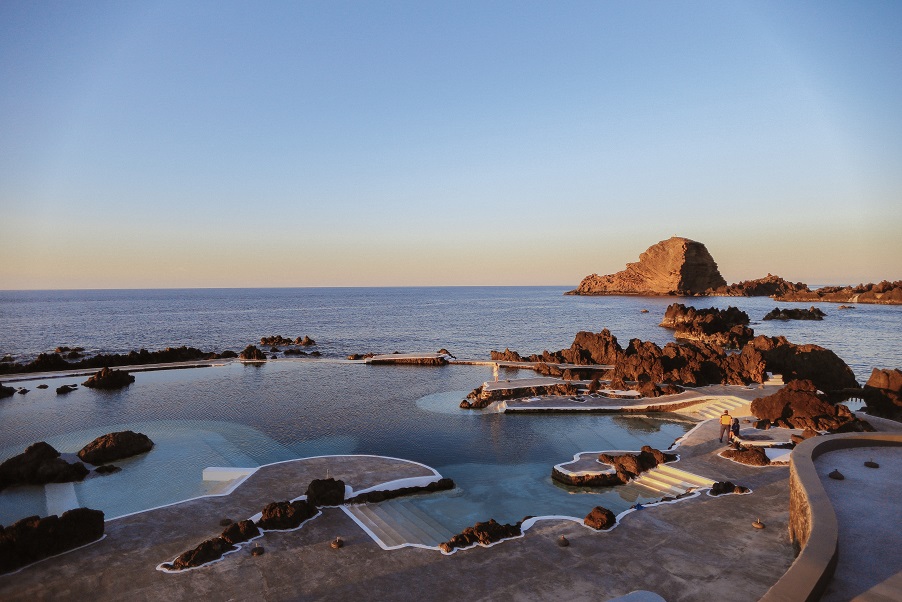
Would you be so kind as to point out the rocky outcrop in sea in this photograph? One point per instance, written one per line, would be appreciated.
(882, 293)
(54, 362)
(795, 314)
(676, 266)
(768, 286)
(725, 327)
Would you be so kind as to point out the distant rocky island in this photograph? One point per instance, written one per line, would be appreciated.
(682, 267)
(676, 266)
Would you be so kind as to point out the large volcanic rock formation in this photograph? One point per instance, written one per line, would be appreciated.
(883, 293)
(799, 405)
(676, 266)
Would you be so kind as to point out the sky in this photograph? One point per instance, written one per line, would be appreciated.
(252, 144)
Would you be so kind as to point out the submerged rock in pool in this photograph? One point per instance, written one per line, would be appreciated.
(39, 464)
(109, 379)
(115, 446)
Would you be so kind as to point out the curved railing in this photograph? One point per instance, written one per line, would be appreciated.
(812, 520)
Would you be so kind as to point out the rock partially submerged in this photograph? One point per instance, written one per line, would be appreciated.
(481, 397)
(724, 327)
(109, 379)
(768, 286)
(6, 391)
(677, 266)
(251, 353)
(795, 314)
(33, 538)
(40, 464)
(883, 293)
(115, 446)
(372, 497)
(55, 362)
(484, 533)
(278, 340)
(884, 393)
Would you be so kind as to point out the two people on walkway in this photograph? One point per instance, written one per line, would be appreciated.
(729, 426)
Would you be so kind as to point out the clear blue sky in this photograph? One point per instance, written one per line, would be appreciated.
(159, 144)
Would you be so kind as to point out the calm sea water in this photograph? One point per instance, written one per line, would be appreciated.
(241, 415)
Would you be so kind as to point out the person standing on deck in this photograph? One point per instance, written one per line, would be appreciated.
(725, 422)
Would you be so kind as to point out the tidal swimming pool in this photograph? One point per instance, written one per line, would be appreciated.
(247, 416)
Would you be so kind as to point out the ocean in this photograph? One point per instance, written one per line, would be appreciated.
(242, 415)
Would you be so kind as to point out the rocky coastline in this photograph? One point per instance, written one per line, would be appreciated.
(682, 267)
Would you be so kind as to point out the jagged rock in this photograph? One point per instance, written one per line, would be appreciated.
(39, 464)
(480, 398)
(34, 538)
(115, 446)
(252, 353)
(286, 515)
(22, 391)
(6, 391)
(725, 487)
(676, 266)
(373, 497)
(600, 519)
(795, 314)
(799, 405)
(305, 342)
(884, 293)
(626, 467)
(240, 532)
(54, 362)
(724, 327)
(484, 533)
(326, 492)
(811, 362)
(505, 356)
(768, 286)
(207, 551)
(753, 456)
(109, 379)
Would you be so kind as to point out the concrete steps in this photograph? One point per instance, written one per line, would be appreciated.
(395, 523)
(666, 481)
(715, 408)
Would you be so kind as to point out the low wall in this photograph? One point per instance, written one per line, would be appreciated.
(812, 521)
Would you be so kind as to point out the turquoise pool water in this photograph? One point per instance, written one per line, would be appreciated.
(246, 416)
